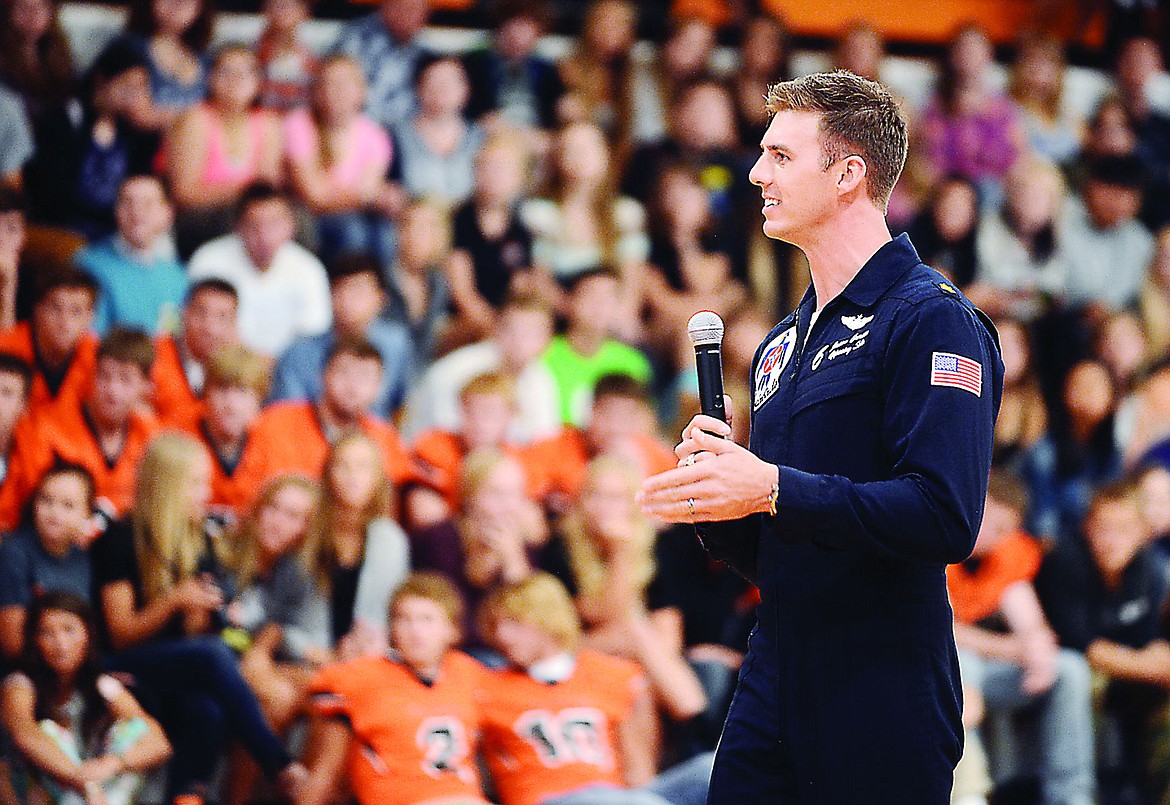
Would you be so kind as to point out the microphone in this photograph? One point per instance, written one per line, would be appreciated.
(706, 332)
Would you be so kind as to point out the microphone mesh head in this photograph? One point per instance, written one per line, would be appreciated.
(705, 328)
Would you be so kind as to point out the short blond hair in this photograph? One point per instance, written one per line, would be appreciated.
(434, 587)
(236, 365)
(539, 600)
(496, 384)
(1034, 169)
(857, 116)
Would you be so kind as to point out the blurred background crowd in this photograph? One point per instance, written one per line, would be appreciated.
(298, 305)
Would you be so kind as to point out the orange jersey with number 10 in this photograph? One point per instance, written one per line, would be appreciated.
(542, 740)
(412, 742)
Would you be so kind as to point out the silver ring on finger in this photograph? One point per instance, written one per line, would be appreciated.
(691, 507)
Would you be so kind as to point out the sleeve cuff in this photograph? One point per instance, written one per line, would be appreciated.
(803, 507)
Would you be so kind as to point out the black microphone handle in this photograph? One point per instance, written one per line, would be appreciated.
(710, 369)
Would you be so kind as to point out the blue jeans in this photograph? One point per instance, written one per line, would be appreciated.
(1064, 721)
(684, 784)
(194, 687)
(356, 232)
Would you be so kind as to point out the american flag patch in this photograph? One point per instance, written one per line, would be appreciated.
(949, 369)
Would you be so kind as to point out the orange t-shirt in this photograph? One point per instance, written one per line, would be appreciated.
(176, 404)
(439, 454)
(237, 488)
(558, 464)
(290, 437)
(412, 742)
(65, 431)
(542, 740)
(976, 589)
(78, 379)
(713, 12)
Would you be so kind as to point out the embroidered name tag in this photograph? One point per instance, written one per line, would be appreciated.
(839, 348)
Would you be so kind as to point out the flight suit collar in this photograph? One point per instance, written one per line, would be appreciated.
(881, 271)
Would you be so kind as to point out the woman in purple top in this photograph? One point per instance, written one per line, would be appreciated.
(970, 129)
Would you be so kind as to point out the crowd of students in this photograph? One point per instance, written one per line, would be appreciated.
(325, 371)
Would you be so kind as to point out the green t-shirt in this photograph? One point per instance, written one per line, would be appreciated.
(577, 374)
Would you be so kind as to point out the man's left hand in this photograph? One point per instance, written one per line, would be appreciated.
(716, 479)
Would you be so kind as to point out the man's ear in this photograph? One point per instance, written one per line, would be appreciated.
(852, 170)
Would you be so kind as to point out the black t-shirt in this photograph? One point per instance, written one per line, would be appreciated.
(1081, 609)
(73, 180)
(714, 600)
(495, 260)
(492, 80)
(343, 594)
(115, 559)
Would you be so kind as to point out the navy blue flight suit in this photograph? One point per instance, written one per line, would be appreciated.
(882, 428)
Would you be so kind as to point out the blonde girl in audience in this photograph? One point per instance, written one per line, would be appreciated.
(82, 737)
(611, 552)
(337, 160)
(163, 584)
(221, 146)
(498, 536)
(357, 550)
(1023, 417)
(177, 547)
(582, 222)
(280, 606)
(1018, 268)
(1037, 86)
(281, 613)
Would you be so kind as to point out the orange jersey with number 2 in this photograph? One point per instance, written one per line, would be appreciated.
(412, 742)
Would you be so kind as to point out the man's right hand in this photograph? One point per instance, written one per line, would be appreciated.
(716, 479)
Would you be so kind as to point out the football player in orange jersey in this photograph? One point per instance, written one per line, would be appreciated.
(569, 726)
(403, 727)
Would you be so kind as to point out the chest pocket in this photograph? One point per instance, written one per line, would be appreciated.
(853, 376)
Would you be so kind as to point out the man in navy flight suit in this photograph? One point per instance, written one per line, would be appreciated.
(872, 414)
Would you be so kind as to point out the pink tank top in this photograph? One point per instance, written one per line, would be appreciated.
(218, 167)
